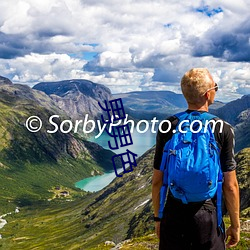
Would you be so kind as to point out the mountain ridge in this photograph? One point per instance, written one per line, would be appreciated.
(76, 97)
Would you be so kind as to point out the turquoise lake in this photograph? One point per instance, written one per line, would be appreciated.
(141, 143)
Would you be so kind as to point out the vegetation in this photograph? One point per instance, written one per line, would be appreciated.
(243, 175)
(57, 225)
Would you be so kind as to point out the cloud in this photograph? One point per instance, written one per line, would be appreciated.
(230, 45)
(34, 68)
(139, 45)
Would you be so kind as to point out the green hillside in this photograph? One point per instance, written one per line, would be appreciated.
(32, 163)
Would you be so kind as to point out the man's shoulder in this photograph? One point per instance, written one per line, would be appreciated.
(171, 118)
(173, 123)
(226, 127)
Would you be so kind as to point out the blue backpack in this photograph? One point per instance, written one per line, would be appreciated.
(191, 162)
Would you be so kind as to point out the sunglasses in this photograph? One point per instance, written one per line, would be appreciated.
(216, 87)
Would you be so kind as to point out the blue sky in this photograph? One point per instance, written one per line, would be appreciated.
(126, 45)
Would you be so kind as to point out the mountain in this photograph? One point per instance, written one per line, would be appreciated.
(159, 104)
(31, 164)
(237, 114)
(216, 105)
(76, 97)
(34, 166)
(149, 104)
(232, 110)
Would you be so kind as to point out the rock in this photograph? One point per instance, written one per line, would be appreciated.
(109, 243)
(4, 80)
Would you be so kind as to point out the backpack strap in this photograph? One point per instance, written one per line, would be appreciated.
(208, 116)
(163, 194)
(218, 200)
(164, 189)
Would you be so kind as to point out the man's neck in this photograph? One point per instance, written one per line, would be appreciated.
(198, 107)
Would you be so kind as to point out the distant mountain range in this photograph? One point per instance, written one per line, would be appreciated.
(232, 110)
(159, 104)
(80, 97)
(149, 104)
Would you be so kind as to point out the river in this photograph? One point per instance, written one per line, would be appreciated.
(141, 143)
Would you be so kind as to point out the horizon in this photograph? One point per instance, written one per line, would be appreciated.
(179, 93)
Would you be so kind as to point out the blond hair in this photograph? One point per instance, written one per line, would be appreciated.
(195, 83)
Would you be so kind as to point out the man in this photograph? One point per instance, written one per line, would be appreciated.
(194, 225)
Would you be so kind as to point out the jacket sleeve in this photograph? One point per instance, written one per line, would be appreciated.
(228, 162)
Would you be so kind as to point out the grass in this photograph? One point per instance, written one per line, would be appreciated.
(51, 225)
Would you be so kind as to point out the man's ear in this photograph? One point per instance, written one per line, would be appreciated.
(207, 95)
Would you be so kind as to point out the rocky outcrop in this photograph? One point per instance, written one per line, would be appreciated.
(76, 97)
(242, 130)
(4, 80)
(243, 175)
